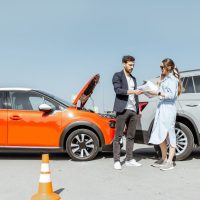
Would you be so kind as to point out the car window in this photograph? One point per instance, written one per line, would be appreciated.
(197, 83)
(1, 100)
(56, 98)
(29, 101)
(53, 105)
(188, 85)
(184, 80)
(22, 100)
(36, 101)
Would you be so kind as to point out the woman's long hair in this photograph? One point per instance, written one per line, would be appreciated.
(170, 67)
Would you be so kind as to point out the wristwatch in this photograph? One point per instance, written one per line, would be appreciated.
(159, 93)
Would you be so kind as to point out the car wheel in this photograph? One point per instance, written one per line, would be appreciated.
(184, 142)
(82, 145)
(158, 151)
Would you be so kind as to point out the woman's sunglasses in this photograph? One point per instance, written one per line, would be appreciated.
(162, 67)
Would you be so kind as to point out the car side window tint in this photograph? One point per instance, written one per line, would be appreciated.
(36, 101)
(188, 86)
(22, 100)
(183, 81)
(1, 100)
(53, 105)
(197, 83)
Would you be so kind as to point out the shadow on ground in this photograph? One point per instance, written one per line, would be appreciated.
(59, 191)
(32, 156)
(139, 154)
(147, 153)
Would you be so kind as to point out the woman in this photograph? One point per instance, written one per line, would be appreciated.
(163, 131)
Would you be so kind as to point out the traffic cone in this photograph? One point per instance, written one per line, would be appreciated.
(45, 189)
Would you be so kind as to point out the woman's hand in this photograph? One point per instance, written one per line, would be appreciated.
(156, 93)
(152, 93)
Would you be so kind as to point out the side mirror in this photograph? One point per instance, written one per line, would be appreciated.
(45, 108)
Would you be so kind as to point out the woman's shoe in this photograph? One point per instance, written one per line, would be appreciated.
(167, 166)
(159, 163)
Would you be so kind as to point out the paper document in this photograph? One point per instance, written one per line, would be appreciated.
(148, 87)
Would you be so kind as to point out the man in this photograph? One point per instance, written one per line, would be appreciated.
(126, 107)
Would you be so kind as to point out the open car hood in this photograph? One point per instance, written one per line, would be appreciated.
(87, 91)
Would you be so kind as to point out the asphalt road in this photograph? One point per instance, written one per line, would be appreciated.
(98, 180)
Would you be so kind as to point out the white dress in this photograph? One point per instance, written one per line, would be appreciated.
(164, 123)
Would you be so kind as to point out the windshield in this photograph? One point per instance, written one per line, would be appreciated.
(63, 101)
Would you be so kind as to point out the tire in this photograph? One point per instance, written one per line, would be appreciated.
(184, 142)
(158, 151)
(82, 145)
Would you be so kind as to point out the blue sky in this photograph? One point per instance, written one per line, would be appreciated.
(57, 46)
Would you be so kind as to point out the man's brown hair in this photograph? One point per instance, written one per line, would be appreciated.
(127, 58)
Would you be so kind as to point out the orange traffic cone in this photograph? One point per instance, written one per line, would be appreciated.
(45, 189)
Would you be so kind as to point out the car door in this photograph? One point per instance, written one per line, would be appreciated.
(190, 98)
(27, 125)
(3, 120)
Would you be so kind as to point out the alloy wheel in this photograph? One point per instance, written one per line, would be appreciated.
(181, 141)
(82, 145)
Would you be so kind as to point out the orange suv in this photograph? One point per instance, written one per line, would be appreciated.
(35, 120)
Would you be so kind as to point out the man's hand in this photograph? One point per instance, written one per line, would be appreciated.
(136, 92)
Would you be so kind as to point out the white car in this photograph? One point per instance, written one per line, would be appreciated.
(188, 116)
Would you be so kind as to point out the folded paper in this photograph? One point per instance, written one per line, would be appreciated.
(148, 87)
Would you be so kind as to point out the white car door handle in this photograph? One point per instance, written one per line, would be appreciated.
(192, 105)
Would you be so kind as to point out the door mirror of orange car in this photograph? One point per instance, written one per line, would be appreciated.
(45, 108)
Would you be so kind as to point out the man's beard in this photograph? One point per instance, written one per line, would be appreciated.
(128, 71)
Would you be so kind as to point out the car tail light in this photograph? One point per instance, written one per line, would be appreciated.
(142, 105)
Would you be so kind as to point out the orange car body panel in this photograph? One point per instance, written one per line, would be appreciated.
(35, 128)
(3, 127)
(31, 128)
(72, 115)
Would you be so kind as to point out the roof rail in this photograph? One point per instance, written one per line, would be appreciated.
(193, 70)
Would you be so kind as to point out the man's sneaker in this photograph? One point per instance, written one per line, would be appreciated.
(132, 163)
(167, 166)
(159, 163)
(117, 165)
